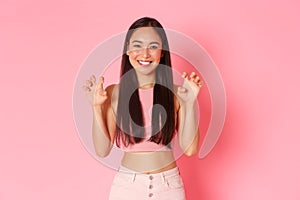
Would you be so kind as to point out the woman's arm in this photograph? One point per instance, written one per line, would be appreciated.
(103, 119)
(187, 122)
(102, 137)
(188, 132)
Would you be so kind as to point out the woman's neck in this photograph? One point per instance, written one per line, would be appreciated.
(147, 86)
(146, 82)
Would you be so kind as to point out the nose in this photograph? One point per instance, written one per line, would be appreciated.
(146, 53)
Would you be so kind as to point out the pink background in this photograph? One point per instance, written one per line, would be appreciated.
(255, 45)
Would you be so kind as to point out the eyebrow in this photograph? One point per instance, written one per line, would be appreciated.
(138, 41)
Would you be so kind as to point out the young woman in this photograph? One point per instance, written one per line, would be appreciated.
(143, 115)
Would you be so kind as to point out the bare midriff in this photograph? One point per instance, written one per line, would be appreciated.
(149, 162)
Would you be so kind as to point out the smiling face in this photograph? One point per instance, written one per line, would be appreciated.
(145, 50)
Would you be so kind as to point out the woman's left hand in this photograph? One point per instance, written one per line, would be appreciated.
(189, 91)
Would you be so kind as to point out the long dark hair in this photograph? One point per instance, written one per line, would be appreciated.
(130, 119)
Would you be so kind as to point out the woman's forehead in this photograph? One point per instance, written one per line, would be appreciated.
(145, 35)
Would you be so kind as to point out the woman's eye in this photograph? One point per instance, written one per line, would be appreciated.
(153, 47)
(137, 46)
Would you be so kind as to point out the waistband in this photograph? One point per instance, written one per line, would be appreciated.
(133, 175)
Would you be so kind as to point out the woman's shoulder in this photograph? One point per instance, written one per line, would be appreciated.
(113, 92)
(112, 89)
(175, 87)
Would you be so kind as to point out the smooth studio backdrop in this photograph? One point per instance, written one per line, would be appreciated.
(255, 45)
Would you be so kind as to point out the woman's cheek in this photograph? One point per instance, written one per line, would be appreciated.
(132, 54)
(157, 57)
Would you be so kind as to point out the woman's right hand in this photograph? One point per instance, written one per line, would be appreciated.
(95, 92)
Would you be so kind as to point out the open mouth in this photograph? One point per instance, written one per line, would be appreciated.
(144, 63)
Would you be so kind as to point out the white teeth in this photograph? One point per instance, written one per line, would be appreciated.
(144, 62)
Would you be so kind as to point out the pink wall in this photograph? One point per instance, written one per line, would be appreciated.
(254, 44)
